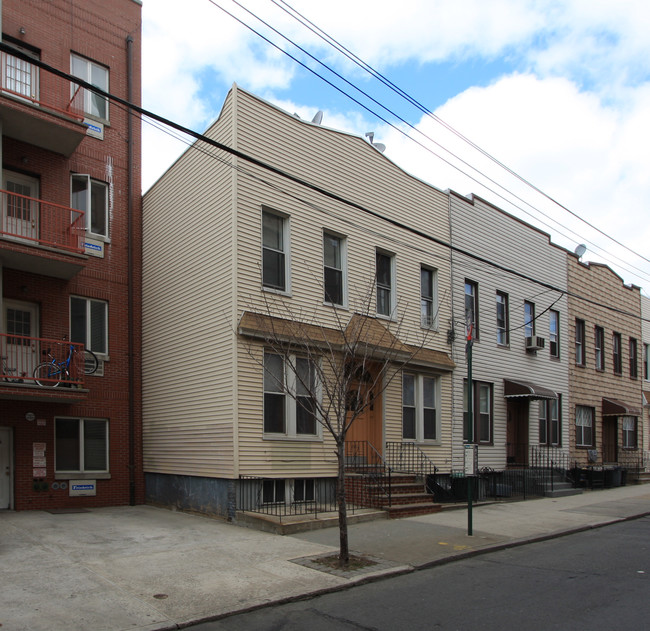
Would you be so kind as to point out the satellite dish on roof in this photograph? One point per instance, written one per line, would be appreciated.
(381, 147)
(318, 118)
(580, 250)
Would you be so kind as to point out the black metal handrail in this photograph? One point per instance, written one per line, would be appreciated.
(362, 458)
(409, 458)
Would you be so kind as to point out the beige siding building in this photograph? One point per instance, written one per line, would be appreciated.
(519, 317)
(233, 252)
(605, 371)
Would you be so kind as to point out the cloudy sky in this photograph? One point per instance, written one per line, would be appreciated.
(558, 91)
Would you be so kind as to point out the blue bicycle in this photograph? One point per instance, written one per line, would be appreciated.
(53, 372)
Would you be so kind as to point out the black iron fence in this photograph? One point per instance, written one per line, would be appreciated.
(408, 458)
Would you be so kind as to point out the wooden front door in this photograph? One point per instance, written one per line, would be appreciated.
(610, 443)
(365, 436)
(517, 432)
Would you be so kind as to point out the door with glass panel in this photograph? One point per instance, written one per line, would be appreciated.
(20, 208)
(20, 348)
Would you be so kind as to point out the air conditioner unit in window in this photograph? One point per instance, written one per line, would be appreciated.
(535, 343)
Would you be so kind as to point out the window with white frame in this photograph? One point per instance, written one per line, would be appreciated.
(333, 269)
(290, 390)
(529, 318)
(481, 425)
(503, 315)
(385, 281)
(554, 332)
(419, 407)
(274, 250)
(89, 324)
(580, 342)
(92, 104)
(549, 422)
(81, 445)
(428, 297)
(91, 197)
(599, 347)
(584, 426)
(629, 432)
(471, 308)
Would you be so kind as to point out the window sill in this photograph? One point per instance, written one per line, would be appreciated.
(294, 438)
(82, 476)
(279, 292)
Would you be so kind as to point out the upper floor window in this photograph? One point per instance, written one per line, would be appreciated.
(333, 276)
(93, 104)
(91, 196)
(89, 324)
(554, 332)
(274, 251)
(580, 342)
(503, 315)
(289, 396)
(599, 347)
(80, 445)
(529, 318)
(471, 308)
(616, 353)
(428, 299)
(385, 279)
(419, 407)
(634, 367)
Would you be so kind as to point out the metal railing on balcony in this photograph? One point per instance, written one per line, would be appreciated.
(37, 222)
(21, 80)
(408, 458)
(20, 356)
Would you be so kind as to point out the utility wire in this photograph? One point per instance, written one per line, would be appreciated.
(377, 75)
(297, 180)
(623, 264)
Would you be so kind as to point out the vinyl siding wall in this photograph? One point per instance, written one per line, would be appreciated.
(484, 230)
(188, 342)
(349, 167)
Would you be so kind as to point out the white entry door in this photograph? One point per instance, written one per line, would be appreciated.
(21, 321)
(5, 468)
(20, 216)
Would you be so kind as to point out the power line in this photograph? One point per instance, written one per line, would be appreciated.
(297, 180)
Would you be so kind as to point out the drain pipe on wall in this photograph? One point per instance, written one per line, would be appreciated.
(130, 307)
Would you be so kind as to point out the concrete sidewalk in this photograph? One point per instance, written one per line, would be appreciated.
(146, 568)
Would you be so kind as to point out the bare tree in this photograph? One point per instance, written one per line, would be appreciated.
(335, 370)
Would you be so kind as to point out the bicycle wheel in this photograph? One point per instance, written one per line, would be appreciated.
(48, 374)
(90, 362)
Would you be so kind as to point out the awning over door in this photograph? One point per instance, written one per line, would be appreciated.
(614, 407)
(514, 388)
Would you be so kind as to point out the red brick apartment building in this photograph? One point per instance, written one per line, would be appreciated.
(70, 244)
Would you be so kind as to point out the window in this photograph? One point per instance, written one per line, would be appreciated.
(91, 196)
(273, 491)
(274, 251)
(584, 426)
(471, 308)
(303, 490)
(482, 412)
(419, 416)
(503, 316)
(333, 277)
(289, 389)
(529, 319)
(580, 342)
(89, 324)
(81, 445)
(599, 347)
(554, 332)
(92, 104)
(629, 432)
(549, 422)
(646, 362)
(385, 282)
(616, 353)
(634, 367)
(428, 297)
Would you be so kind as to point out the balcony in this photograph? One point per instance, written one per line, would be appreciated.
(19, 357)
(54, 122)
(41, 237)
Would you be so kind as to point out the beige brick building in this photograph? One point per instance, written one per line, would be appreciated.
(605, 372)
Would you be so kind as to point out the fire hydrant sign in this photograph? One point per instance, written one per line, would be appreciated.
(83, 487)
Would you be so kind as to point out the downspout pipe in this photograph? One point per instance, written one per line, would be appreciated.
(130, 305)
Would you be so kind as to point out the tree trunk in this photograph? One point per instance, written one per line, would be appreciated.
(344, 551)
